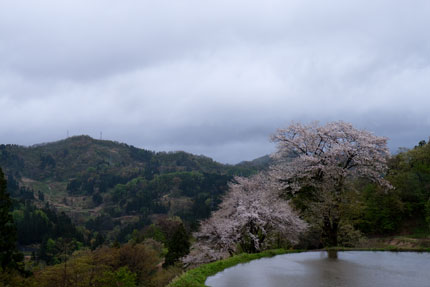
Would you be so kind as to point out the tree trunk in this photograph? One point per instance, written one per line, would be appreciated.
(330, 231)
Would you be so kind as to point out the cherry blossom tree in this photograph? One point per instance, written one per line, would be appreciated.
(315, 166)
(252, 217)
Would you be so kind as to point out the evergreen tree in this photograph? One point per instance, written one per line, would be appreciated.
(98, 241)
(178, 246)
(10, 258)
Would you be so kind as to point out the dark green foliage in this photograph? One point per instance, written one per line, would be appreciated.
(74, 186)
(142, 196)
(98, 241)
(137, 178)
(382, 212)
(55, 251)
(427, 213)
(17, 191)
(9, 158)
(122, 277)
(140, 154)
(100, 223)
(410, 175)
(153, 231)
(41, 196)
(406, 208)
(126, 231)
(178, 245)
(10, 258)
(25, 193)
(47, 161)
(97, 199)
(258, 164)
(34, 224)
(91, 181)
(12, 185)
(110, 160)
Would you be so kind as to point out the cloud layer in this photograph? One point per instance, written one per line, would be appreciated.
(214, 78)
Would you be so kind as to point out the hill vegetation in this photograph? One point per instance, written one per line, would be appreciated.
(108, 189)
(83, 205)
(88, 178)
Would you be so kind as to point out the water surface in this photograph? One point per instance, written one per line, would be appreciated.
(350, 268)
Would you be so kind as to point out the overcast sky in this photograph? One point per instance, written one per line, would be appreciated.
(212, 77)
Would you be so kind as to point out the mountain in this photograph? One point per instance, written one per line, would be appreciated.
(106, 186)
(259, 163)
(65, 159)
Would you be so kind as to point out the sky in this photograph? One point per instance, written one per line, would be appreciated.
(212, 77)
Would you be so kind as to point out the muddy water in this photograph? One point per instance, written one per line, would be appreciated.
(351, 268)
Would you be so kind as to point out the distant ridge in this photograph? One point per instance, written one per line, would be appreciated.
(260, 163)
(106, 184)
(65, 158)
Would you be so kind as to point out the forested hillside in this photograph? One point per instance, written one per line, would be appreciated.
(83, 193)
(92, 203)
(105, 184)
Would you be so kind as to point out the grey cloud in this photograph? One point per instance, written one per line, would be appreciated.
(214, 78)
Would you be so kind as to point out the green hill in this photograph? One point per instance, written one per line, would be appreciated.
(106, 185)
(65, 159)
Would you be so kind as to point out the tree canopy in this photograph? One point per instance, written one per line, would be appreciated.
(10, 258)
(251, 218)
(315, 165)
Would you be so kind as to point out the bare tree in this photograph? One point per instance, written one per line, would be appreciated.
(251, 218)
(316, 164)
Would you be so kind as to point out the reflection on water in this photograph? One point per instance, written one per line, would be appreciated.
(332, 254)
(352, 268)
